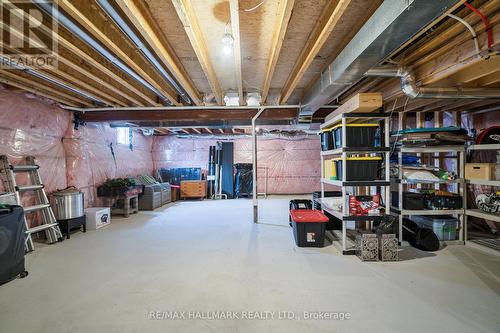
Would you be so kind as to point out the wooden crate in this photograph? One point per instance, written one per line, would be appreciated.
(193, 189)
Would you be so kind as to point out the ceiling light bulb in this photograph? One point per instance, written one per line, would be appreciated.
(227, 39)
(226, 49)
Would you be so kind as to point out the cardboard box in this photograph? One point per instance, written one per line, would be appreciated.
(97, 217)
(484, 171)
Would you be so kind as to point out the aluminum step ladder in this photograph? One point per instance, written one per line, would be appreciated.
(48, 220)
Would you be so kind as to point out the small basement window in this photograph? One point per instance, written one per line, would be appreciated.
(123, 135)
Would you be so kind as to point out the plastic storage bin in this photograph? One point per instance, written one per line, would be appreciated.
(359, 168)
(357, 135)
(97, 217)
(327, 139)
(329, 170)
(445, 227)
(308, 227)
(411, 200)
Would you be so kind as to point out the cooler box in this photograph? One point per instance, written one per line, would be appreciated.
(357, 135)
(97, 217)
(308, 227)
(445, 227)
(359, 168)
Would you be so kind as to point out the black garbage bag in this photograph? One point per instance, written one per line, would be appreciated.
(243, 180)
(421, 238)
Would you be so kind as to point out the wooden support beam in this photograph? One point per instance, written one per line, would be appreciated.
(482, 68)
(362, 102)
(191, 115)
(188, 18)
(78, 16)
(144, 24)
(208, 130)
(221, 130)
(185, 131)
(331, 16)
(197, 131)
(235, 30)
(40, 89)
(285, 9)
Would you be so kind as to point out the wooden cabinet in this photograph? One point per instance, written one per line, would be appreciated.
(193, 189)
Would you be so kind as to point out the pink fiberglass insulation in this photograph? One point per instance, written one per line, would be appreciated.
(93, 155)
(293, 166)
(34, 126)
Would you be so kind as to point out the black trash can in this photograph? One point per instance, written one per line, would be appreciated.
(308, 227)
(12, 243)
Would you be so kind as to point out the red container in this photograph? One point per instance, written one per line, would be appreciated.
(308, 227)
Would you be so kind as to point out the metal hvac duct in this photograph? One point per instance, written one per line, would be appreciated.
(75, 29)
(409, 86)
(393, 23)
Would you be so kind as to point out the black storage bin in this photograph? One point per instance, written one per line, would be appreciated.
(327, 140)
(12, 239)
(433, 201)
(411, 200)
(308, 227)
(357, 135)
(360, 168)
(299, 204)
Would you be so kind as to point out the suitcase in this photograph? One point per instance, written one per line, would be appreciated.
(12, 243)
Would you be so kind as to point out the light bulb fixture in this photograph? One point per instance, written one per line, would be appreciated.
(227, 49)
(227, 39)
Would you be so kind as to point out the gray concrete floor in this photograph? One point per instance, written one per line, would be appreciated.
(208, 256)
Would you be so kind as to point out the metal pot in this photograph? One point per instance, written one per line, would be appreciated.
(67, 204)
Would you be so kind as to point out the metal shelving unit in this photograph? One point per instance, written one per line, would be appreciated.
(346, 244)
(459, 151)
(478, 212)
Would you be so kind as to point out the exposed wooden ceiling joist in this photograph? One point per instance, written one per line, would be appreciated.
(332, 14)
(42, 89)
(188, 18)
(284, 13)
(235, 29)
(78, 16)
(143, 23)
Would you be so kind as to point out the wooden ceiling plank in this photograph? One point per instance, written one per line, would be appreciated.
(442, 40)
(78, 16)
(187, 16)
(159, 45)
(471, 73)
(489, 80)
(101, 69)
(332, 15)
(235, 29)
(283, 18)
(43, 87)
(37, 92)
